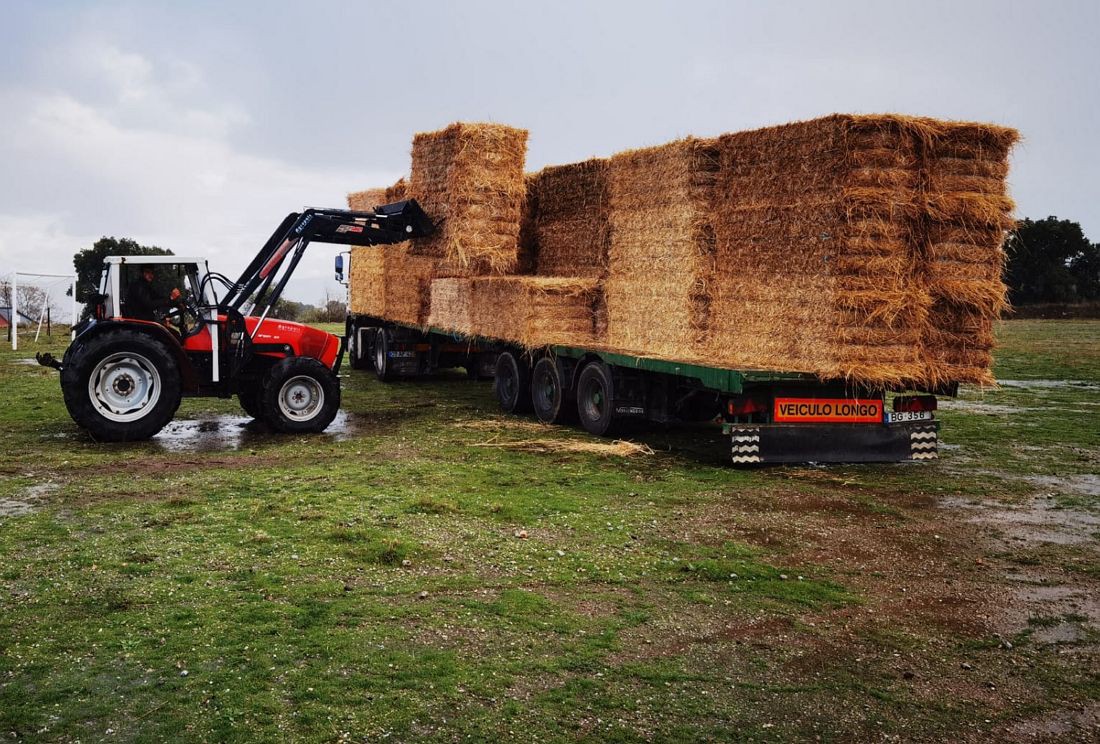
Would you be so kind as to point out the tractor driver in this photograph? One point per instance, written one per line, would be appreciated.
(141, 300)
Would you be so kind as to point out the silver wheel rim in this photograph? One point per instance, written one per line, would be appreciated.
(124, 387)
(379, 352)
(301, 398)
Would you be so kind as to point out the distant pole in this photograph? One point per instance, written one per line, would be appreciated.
(72, 326)
(15, 311)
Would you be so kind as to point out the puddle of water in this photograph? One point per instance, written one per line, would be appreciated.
(973, 406)
(235, 432)
(1080, 485)
(1040, 520)
(1047, 384)
(1060, 633)
(28, 501)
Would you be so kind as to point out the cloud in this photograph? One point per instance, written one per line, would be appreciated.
(170, 177)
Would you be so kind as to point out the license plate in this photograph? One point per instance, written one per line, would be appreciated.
(898, 417)
(402, 354)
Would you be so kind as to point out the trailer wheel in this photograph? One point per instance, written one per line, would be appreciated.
(512, 384)
(358, 356)
(548, 391)
(382, 367)
(122, 386)
(300, 395)
(596, 399)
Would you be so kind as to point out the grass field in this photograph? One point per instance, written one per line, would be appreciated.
(431, 570)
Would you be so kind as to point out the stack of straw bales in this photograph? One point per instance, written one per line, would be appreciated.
(864, 248)
(661, 254)
(814, 224)
(469, 179)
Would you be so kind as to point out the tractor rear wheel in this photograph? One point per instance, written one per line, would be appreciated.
(300, 395)
(122, 386)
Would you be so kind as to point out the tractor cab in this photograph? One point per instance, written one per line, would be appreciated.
(129, 282)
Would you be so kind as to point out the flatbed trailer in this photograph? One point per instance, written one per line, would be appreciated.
(769, 417)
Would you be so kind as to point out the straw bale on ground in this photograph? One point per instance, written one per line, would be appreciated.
(661, 254)
(535, 311)
(571, 224)
(469, 179)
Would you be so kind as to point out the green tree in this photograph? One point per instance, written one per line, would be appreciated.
(89, 264)
(1051, 260)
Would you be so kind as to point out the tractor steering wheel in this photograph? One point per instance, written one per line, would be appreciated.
(185, 315)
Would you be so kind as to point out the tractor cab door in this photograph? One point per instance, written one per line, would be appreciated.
(145, 292)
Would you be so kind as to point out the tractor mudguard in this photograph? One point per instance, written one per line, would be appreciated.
(97, 327)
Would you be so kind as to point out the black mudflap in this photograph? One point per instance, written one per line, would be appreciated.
(776, 443)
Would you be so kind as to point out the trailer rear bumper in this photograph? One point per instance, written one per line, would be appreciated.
(778, 443)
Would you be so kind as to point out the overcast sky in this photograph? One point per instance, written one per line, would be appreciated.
(197, 126)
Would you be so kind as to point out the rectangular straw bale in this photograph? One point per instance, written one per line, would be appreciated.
(366, 201)
(469, 179)
(536, 311)
(366, 287)
(528, 227)
(452, 305)
(407, 279)
(396, 192)
(571, 228)
(661, 253)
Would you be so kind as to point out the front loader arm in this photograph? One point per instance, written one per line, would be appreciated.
(388, 224)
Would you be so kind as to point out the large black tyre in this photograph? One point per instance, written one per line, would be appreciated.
(549, 391)
(122, 385)
(596, 399)
(358, 351)
(383, 369)
(299, 395)
(251, 400)
(512, 384)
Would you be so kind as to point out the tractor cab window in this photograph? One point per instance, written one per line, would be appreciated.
(146, 293)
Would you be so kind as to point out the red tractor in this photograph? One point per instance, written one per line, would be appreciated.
(128, 367)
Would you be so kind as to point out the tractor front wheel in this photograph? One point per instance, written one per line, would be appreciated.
(250, 400)
(122, 386)
(300, 395)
